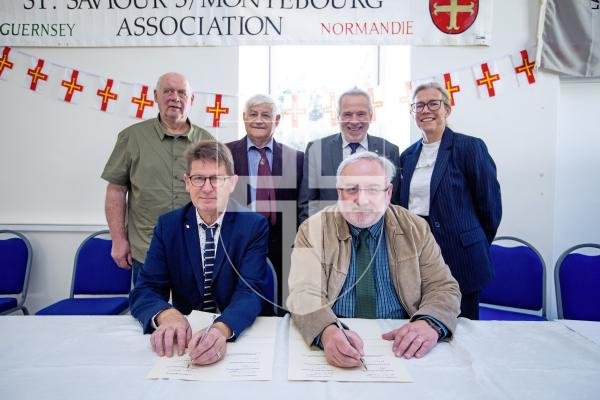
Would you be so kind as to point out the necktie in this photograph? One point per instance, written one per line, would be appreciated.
(209, 304)
(365, 282)
(265, 190)
(353, 147)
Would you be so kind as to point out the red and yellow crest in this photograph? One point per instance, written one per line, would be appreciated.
(453, 16)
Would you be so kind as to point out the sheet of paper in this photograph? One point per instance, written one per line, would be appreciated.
(249, 358)
(309, 364)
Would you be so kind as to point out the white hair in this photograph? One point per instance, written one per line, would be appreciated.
(388, 167)
(261, 99)
(355, 91)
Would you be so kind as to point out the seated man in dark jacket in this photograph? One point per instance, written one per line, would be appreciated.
(210, 255)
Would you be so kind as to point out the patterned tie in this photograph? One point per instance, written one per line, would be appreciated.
(365, 286)
(353, 147)
(265, 191)
(209, 304)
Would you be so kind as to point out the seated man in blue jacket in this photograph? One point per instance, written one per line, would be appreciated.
(210, 255)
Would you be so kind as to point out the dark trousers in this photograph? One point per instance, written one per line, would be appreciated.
(136, 267)
(469, 305)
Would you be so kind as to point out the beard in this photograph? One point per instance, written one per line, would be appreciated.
(360, 217)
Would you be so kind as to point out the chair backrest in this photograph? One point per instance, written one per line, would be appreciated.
(94, 270)
(15, 263)
(520, 277)
(577, 283)
(271, 288)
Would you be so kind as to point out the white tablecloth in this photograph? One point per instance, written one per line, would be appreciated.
(587, 329)
(108, 358)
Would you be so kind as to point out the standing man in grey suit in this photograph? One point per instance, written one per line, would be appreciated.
(323, 156)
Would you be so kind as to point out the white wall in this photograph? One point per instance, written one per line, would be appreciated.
(52, 153)
(577, 200)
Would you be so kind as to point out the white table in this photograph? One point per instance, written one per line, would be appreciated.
(108, 358)
(587, 329)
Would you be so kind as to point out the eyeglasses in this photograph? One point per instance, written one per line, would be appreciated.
(371, 191)
(431, 104)
(215, 180)
(170, 92)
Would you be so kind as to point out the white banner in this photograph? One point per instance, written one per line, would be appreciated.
(108, 23)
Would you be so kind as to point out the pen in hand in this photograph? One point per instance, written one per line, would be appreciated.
(339, 325)
(204, 334)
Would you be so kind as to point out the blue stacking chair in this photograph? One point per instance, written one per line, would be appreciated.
(271, 292)
(519, 283)
(577, 283)
(96, 276)
(15, 264)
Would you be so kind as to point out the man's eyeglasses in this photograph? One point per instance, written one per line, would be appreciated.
(431, 104)
(371, 191)
(215, 180)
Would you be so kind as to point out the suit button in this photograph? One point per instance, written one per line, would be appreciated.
(436, 224)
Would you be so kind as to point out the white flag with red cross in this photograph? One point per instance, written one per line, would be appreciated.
(108, 95)
(294, 113)
(452, 83)
(73, 85)
(524, 66)
(406, 94)
(377, 103)
(487, 79)
(7, 63)
(218, 110)
(38, 75)
(140, 100)
(329, 108)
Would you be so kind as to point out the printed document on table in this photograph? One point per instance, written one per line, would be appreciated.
(249, 358)
(309, 364)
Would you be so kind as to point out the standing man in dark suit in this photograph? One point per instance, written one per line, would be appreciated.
(270, 174)
(449, 179)
(323, 156)
(210, 255)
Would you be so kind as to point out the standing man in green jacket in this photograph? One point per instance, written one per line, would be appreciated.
(145, 172)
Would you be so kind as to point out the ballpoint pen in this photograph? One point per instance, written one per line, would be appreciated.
(204, 334)
(339, 325)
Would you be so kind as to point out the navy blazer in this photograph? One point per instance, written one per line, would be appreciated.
(465, 206)
(173, 266)
(321, 160)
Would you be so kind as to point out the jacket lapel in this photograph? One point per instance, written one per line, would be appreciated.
(240, 155)
(222, 246)
(276, 168)
(441, 162)
(375, 145)
(240, 158)
(332, 151)
(192, 241)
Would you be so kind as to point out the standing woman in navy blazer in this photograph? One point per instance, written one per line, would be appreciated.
(450, 179)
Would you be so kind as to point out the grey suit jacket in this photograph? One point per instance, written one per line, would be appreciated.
(321, 160)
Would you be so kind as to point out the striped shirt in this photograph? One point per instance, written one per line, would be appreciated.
(388, 305)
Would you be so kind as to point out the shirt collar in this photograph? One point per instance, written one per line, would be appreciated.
(364, 143)
(201, 221)
(374, 230)
(162, 132)
(250, 144)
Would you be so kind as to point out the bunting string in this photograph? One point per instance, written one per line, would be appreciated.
(108, 94)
